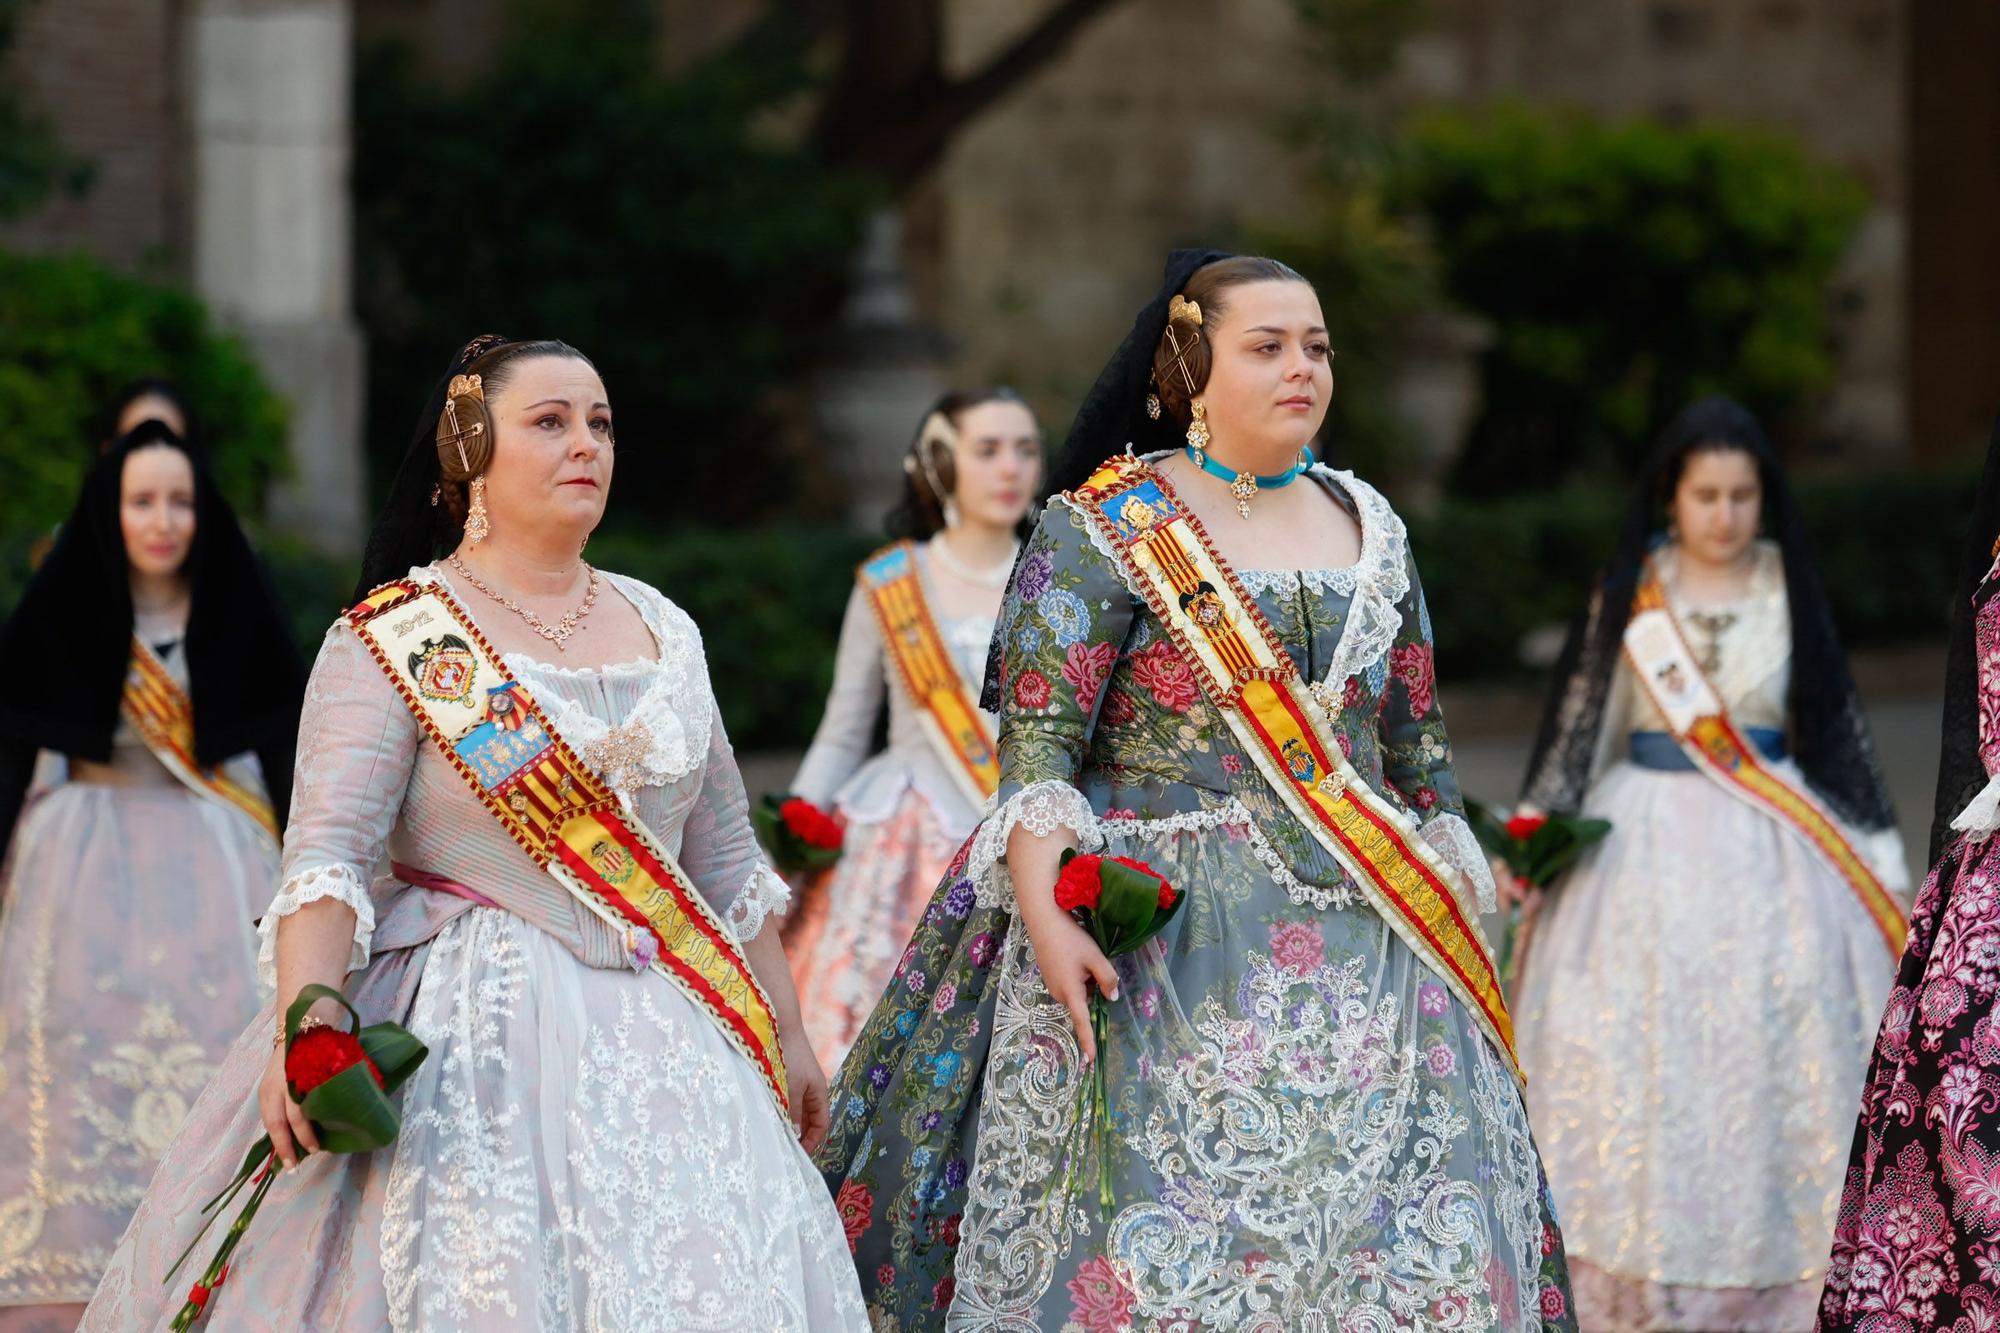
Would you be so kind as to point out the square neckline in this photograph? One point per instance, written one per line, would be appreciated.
(634, 666)
(1340, 495)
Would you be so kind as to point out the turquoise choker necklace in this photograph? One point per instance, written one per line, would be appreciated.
(1245, 485)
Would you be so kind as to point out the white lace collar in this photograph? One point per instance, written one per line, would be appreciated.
(1375, 584)
(664, 735)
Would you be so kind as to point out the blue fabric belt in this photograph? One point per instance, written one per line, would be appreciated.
(1659, 751)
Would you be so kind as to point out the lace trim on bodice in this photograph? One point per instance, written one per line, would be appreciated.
(1374, 584)
(1043, 807)
(665, 735)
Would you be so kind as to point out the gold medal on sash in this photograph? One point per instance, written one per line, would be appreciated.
(561, 813)
(1245, 672)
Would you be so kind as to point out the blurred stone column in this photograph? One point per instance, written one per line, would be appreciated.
(1436, 394)
(885, 368)
(268, 94)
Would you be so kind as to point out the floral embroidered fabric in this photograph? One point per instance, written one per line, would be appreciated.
(1306, 1127)
(1916, 1246)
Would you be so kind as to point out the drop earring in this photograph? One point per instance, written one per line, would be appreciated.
(1197, 431)
(477, 528)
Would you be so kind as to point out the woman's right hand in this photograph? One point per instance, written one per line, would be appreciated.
(1070, 960)
(284, 1119)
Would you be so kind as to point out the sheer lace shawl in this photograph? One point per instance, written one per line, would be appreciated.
(369, 788)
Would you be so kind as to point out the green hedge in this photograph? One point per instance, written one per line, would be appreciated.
(72, 332)
(1625, 268)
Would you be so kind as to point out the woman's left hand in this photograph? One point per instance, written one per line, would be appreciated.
(807, 1088)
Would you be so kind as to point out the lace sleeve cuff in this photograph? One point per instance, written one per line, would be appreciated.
(763, 895)
(340, 882)
(1041, 808)
(1453, 839)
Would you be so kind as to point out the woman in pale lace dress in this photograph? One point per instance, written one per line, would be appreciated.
(1310, 1125)
(583, 1147)
(1699, 993)
(138, 863)
(969, 479)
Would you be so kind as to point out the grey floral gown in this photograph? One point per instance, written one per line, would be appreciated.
(1308, 1129)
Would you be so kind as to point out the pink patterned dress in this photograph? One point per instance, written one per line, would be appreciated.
(1916, 1247)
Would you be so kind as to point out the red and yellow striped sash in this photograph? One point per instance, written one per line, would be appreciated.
(1246, 673)
(911, 638)
(560, 812)
(1699, 722)
(163, 715)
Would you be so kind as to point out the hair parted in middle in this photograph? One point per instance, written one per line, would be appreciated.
(464, 429)
(930, 469)
(1182, 360)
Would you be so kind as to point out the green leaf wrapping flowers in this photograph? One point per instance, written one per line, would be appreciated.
(344, 1082)
(1536, 849)
(797, 834)
(1123, 904)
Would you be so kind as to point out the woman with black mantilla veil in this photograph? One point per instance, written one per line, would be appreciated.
(150, 667)
(1311, 1116)
(1916, 1245)
(593, 1140)
(1698, 994)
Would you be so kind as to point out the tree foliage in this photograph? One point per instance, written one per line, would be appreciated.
(1625, 268)
(573, 190)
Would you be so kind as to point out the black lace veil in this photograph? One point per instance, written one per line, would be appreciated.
(64, 650)
(1829, 732)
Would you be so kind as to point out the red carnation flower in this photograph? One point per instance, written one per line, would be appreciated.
(1522, 827)
(318, 1053)
(1078, 885)
(811, 825)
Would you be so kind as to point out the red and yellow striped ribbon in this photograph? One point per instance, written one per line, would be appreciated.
(1246, 673)
(923, 663)
(571, 822)
(163, 715)
(1719, 750)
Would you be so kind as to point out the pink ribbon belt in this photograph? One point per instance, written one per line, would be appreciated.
(424, 879)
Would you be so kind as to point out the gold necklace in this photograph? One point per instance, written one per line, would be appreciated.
(559, 633)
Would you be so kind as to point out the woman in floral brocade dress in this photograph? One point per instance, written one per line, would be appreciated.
(1308, 1128)
(1916, 1246)
(970, 477)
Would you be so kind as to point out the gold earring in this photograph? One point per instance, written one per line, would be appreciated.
(477, 528)
(1197, 431)
(1153, 406)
